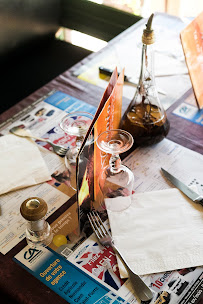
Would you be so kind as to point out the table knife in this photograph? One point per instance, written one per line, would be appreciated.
(128, 79)
(195, 197)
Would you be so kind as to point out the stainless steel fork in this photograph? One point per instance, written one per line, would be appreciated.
(143, 292)
(60, 150)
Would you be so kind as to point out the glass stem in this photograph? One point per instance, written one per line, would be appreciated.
(115, 163)
(78, 143)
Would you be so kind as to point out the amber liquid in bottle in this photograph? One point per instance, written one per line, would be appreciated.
(146, 123)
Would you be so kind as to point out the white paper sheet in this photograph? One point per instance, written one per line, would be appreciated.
(21, 164)
(159, 231)
(183, 163)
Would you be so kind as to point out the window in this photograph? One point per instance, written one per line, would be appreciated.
(105, 19)
(180, 8)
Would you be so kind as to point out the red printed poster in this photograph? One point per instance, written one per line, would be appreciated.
(192, 42)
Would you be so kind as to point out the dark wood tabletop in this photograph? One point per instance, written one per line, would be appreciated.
(16, 284)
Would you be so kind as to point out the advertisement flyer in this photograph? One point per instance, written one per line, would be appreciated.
(54, 271)
(42, 119)
(191, 38)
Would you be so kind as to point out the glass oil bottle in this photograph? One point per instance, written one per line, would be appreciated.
(145, 117)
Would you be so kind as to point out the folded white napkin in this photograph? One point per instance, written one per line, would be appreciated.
(21, 164)
(159, 231)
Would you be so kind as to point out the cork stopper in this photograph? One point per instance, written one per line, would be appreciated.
(148, 33)
(33, 209)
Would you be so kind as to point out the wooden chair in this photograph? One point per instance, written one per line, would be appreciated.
(30, 55)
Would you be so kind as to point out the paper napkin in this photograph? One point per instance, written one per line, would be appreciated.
(21, 164)
(159, 231)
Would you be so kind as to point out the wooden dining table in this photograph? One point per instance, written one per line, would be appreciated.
(16, 284)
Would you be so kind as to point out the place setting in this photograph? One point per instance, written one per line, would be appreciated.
(132, 231)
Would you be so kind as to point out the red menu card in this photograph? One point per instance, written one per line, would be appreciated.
(91, 161)
(192, 42)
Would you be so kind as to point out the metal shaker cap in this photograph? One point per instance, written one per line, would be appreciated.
(148, 36)
(33, 209)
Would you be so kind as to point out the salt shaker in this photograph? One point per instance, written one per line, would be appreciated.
(38, 231)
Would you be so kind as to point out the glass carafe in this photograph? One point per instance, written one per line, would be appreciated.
(145, 117)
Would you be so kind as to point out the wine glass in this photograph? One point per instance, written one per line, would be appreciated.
(115, 180)
(75, 124)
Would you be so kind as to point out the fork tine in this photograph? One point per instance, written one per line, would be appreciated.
(97, 224)
(100, 223)
(62, 151)
(92, 223)
(95, 216)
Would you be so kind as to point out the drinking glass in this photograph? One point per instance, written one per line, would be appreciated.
(116, 180)
(75, 124)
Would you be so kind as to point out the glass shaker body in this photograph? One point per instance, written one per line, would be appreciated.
(38, 233)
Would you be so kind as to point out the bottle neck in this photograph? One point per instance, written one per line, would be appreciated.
(146, 79)
(146, 92)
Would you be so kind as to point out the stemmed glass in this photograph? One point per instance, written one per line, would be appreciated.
(116, 180)
(75, 124)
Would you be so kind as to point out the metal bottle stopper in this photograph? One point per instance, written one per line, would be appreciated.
(38, 231)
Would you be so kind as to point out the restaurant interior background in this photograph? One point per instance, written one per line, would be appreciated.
(41, 39)
(185, 9)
